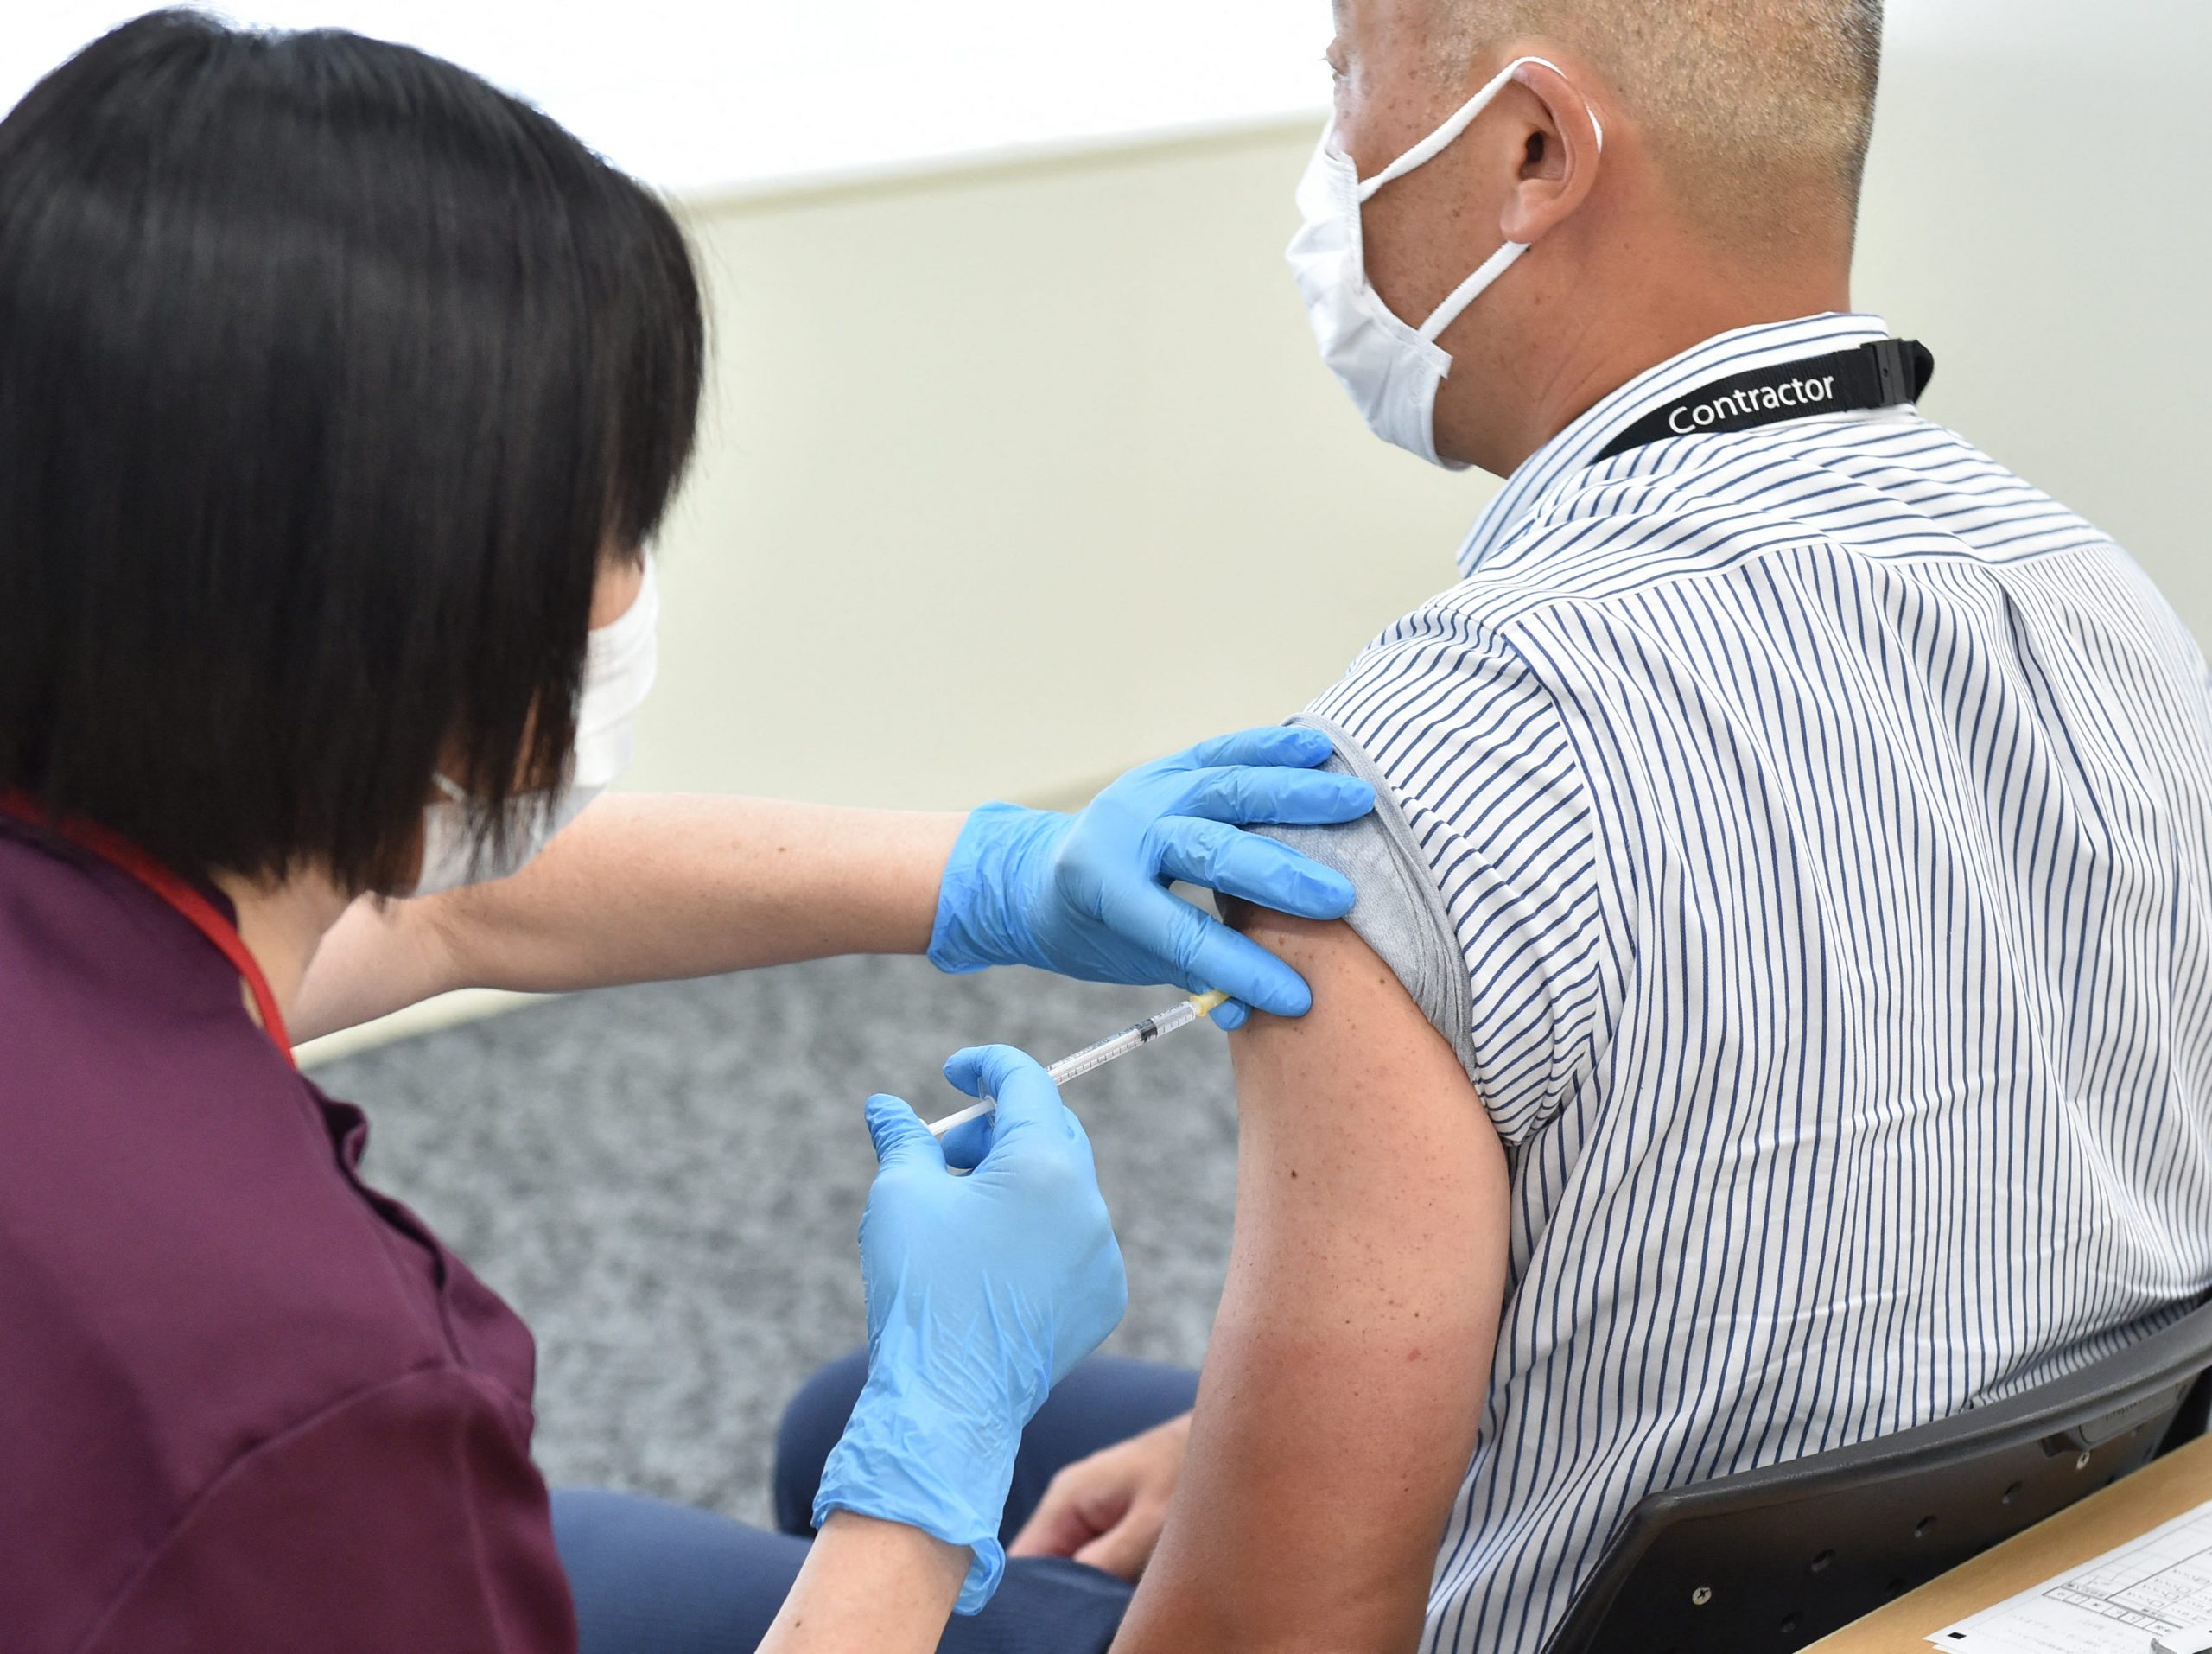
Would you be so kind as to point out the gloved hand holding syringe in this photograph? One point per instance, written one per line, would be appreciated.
(1097, 1056)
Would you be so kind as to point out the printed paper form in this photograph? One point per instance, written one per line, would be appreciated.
(2158, 1584)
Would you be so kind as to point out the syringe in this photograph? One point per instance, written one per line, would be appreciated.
(1097, 1056)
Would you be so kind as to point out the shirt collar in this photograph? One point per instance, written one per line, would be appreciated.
(1769, 345)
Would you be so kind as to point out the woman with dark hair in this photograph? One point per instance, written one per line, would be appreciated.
(341, 396)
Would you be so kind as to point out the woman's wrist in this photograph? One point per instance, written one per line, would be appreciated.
(987, 889)
(935, 1568)
(941, 1464)
(867, 1584)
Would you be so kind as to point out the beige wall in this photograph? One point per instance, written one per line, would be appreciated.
(2043, 219)
(1017, 475)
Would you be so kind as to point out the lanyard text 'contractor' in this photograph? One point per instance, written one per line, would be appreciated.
(1885, 374)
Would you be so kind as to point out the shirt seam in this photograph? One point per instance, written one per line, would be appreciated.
(1409, 860)
(1616, 933)
(1612, 911)
(215, 1484)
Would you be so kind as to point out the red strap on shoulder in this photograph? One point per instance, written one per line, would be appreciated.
(196, 910)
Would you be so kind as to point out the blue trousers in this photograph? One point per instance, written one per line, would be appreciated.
(654, 1578)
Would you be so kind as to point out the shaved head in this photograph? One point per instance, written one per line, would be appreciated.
(1759, 111)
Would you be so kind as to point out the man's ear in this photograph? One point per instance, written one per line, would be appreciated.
(1563, 147)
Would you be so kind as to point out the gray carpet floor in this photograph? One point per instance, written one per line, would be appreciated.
(665, 1182)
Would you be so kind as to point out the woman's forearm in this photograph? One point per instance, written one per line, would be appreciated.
(646, 888)
(643, 889)
(649, 888)
(871, 1586)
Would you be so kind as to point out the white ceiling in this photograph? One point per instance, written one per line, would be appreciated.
(699, 94)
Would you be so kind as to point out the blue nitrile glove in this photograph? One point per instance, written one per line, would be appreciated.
(1086, 896)
(982, 1291)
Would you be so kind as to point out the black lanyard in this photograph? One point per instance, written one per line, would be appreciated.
(1885, 374)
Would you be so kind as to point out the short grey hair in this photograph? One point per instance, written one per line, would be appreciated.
(1757, 108)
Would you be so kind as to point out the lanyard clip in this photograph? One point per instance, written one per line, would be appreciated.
(1902, 370)
(1891, 378)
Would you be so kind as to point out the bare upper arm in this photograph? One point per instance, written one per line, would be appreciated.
(1351, 1355)
(380, 958)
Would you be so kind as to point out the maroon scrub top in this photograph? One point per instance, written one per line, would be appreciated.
(246, 1402)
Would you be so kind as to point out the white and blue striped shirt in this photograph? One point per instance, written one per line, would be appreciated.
(1814, 823)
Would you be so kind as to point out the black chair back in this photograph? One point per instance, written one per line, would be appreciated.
(1768, 1560)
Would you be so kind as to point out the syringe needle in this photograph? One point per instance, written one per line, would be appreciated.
(1092, 1058)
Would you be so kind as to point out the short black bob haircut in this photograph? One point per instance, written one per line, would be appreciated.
(330, 376)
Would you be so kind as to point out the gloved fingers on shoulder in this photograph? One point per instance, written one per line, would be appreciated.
(1295, 746)
(1232, 1016)
(1202, 955)
(1218, 959)
(900, 1137)
(1229, 860)
(1284, 797)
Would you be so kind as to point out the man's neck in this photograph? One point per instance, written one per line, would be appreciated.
(282, 925)
(1578, 370)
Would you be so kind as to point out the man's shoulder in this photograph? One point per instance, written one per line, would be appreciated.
(1647, 529)
(1583, 556)
(1891, 488)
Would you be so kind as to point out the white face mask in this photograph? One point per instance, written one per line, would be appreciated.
(620, 663)
(1391, 369)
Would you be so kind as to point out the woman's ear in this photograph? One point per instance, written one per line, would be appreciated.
(621, 576)
(1561, 151)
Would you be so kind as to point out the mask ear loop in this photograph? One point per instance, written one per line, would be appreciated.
(1448, 134)
(622, 632)
(1470, 290)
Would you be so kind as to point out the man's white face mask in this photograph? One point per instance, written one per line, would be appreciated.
(1391, 369)
(620, 661)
